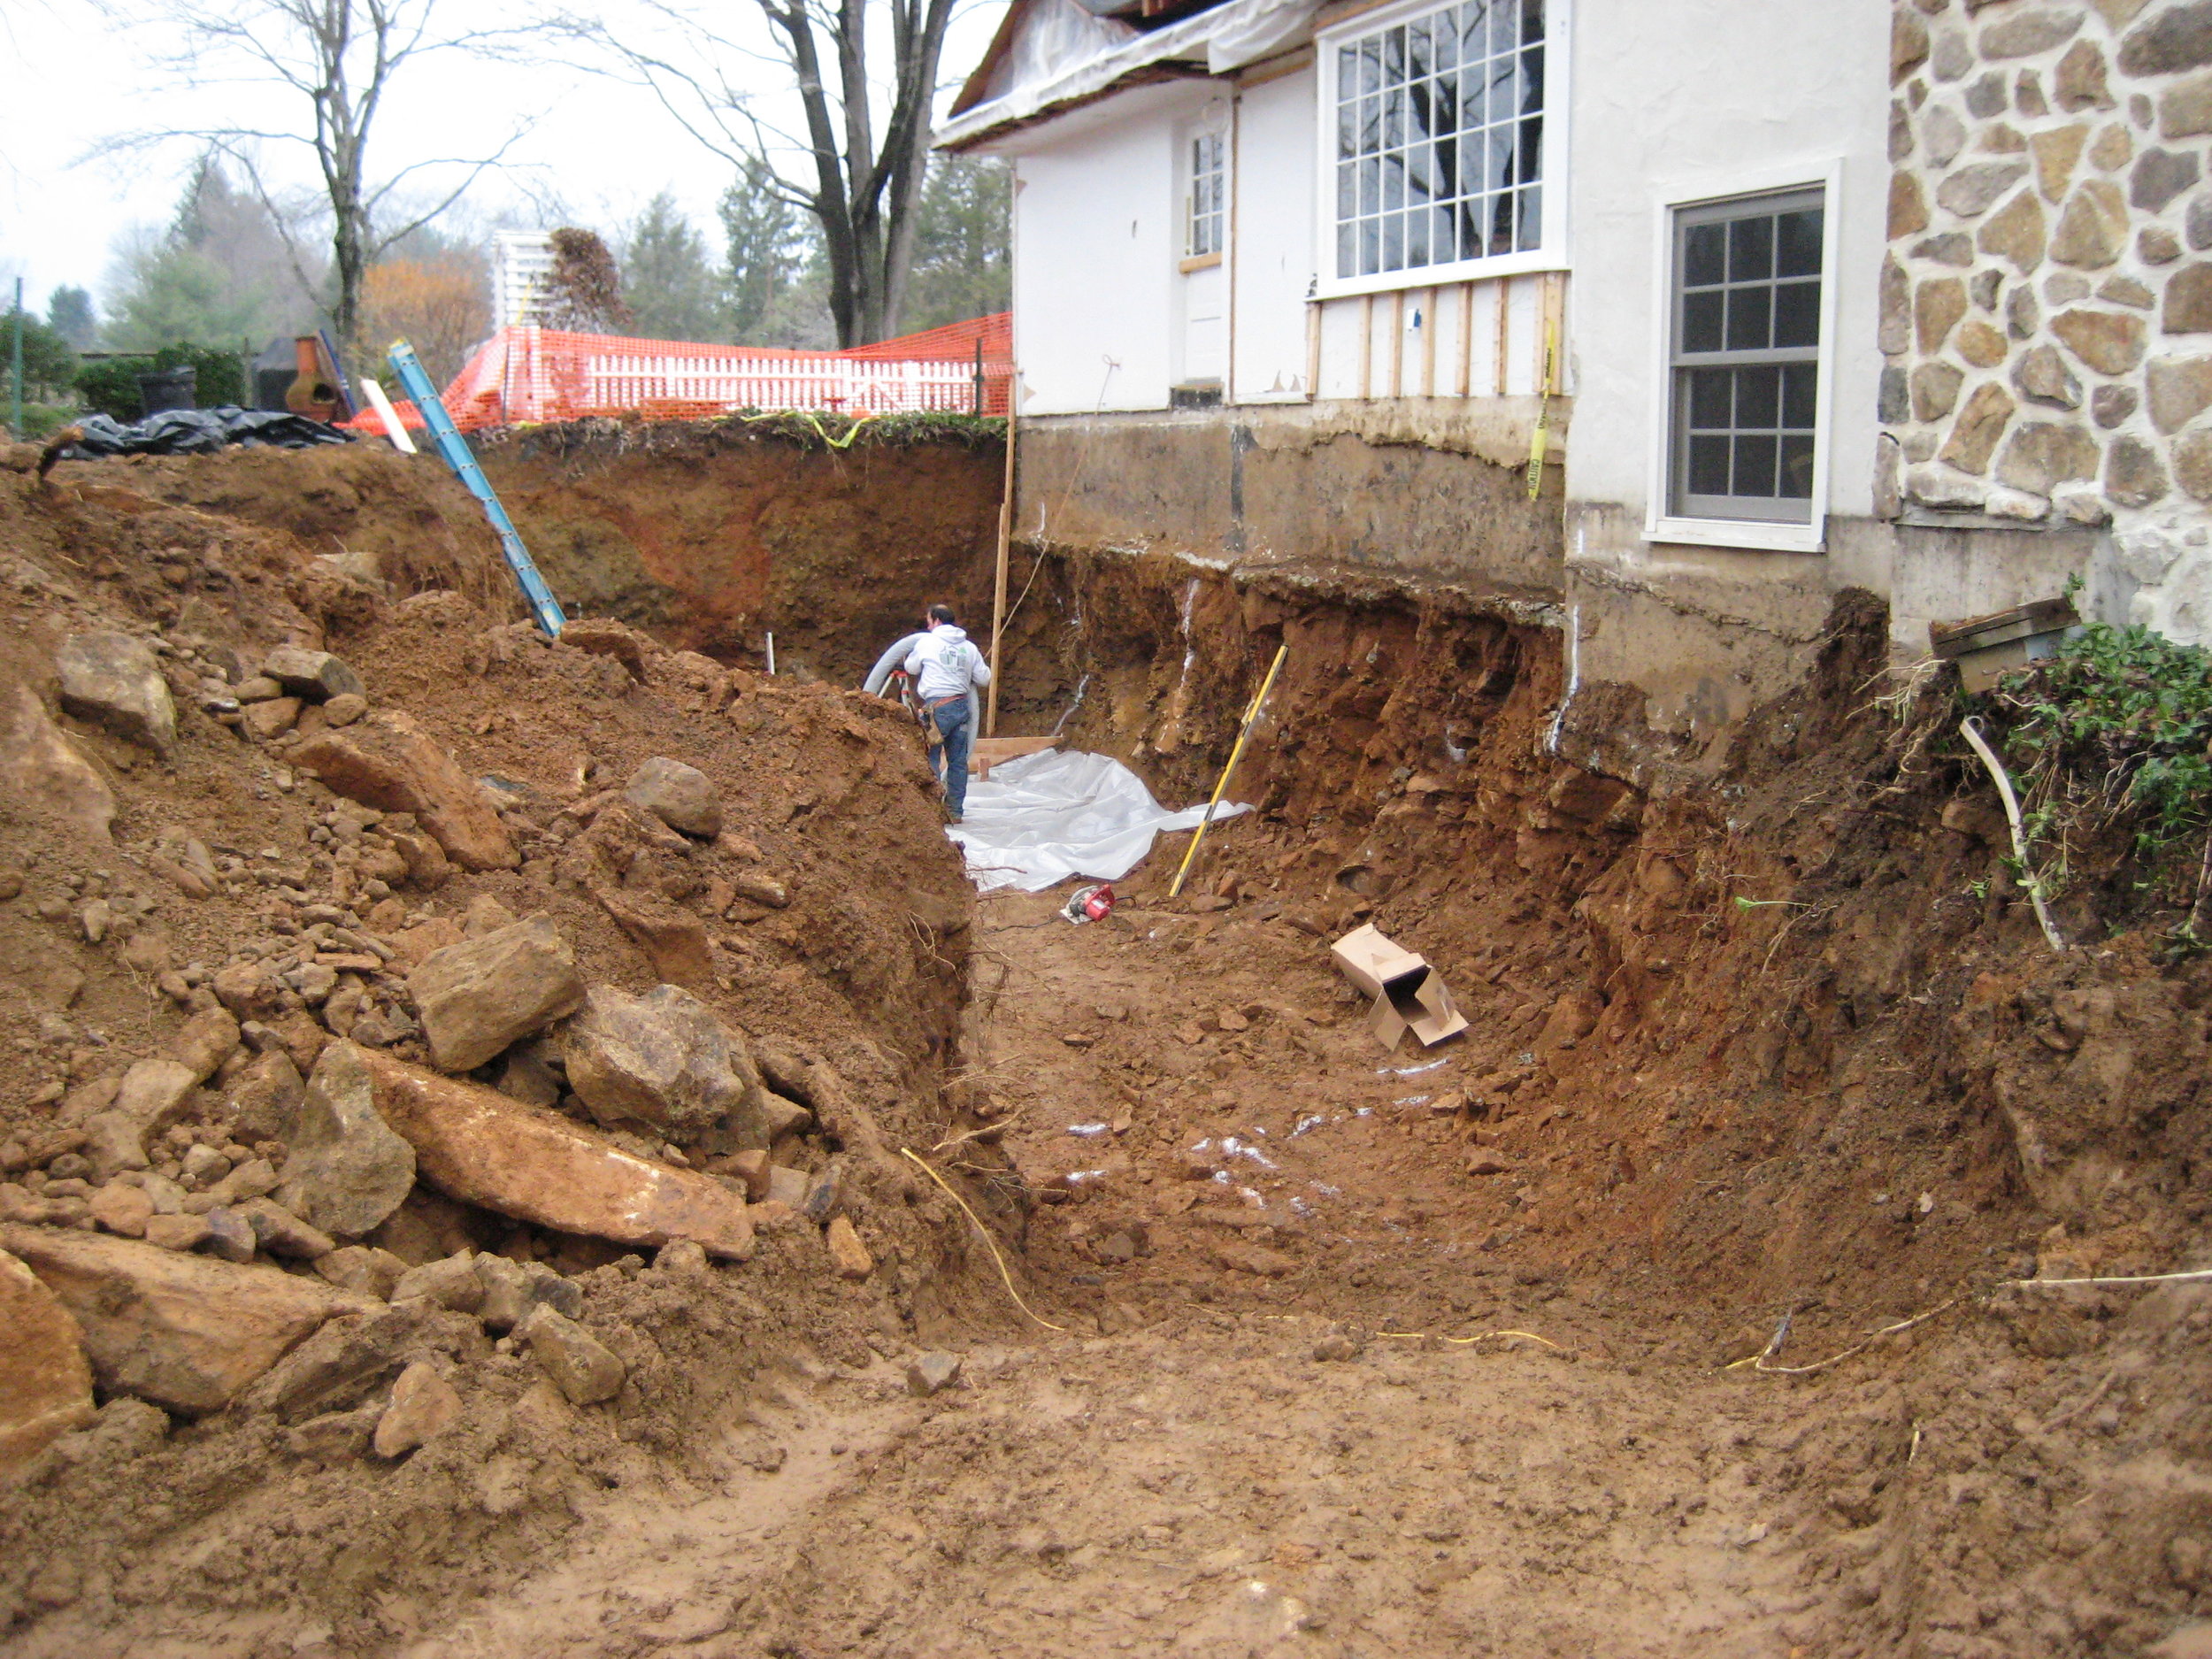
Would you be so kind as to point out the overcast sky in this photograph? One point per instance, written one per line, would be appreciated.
(70, 78)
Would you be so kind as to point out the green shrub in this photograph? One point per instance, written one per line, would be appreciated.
(2117, 727)
(110, 384)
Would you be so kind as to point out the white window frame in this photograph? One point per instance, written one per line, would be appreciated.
(1777, 536)
(1552, 252)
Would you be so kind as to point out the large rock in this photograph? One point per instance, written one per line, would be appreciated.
(185, 1332)
(682, 798)
(674, 939)
(1975, 432)
(476, 997)
(2177, 38)
(2110, 343)
(316, 676)
(476, 1145)
(264, 1098)
(580, 1365)
(424, 1405)
(115, 681)
(351, 1358)
(40, 768)
(389, 762)
(206, 1040)
(347, 1171)
(664, 1061)
(45, 1381)
(155, 1094)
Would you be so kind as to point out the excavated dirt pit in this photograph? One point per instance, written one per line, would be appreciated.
(1325, 1350)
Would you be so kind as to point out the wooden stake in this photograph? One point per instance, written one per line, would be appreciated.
(1005, 542)
(1259, 701)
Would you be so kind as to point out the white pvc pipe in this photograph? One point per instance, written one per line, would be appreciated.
(1971, 730)
(393, 428)
(772, 651)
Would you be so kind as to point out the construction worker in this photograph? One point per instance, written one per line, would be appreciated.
(946, 668)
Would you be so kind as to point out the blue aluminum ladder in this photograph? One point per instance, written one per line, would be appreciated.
(458, 456)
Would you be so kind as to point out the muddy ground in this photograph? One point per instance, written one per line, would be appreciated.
(1319, 1349)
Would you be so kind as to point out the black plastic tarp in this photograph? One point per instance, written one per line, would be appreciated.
(199, 432)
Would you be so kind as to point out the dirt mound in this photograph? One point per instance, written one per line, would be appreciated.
(826, 926)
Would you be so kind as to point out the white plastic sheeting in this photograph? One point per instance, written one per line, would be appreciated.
(1055, 814)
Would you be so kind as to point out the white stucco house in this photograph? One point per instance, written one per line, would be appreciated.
(1315, 283)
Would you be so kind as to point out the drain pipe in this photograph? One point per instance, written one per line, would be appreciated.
(1970, 729)
(1574, 678)
(1081, 685)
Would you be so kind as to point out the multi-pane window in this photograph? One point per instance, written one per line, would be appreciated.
(1439, 139)
(1209, 189)
(1746, 350)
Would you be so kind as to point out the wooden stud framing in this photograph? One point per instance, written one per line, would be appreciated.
(1428, 345)
(1464, 365)
(1366, 347)
(1397, 342)
(1505, 329)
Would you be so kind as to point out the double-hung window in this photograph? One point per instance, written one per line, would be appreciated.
(1746, 304)
(1436, 154)
(1207, 218)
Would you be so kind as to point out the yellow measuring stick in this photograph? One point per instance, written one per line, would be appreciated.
(1236, 754)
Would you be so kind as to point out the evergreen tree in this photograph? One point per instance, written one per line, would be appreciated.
(222, 273)
(69, 314)
(769, 251)
(668, 277)
(179, 296)
(962, 244)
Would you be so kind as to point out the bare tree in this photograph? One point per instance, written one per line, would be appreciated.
(863, 140)
(339, 58)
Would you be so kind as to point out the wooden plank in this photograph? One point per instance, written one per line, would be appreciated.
(1505, 328)
(1313, 349)
(987, 752)
(1005, 541)
(1366, 347)
(1466, 355)
(1428, 345)
(1397, 341)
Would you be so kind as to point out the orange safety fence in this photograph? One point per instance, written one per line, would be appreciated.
(529, 375)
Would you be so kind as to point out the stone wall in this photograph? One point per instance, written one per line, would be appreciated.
(2046, 303)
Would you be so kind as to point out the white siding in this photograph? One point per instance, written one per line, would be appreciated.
(1689, 98)
(1272, 243)
(1097, 238)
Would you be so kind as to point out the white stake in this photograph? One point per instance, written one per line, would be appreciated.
(389, 416)
(772, 651)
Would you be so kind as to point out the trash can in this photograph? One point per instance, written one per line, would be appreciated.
(168, 388)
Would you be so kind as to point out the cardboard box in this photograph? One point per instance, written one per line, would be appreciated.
(1409, 995)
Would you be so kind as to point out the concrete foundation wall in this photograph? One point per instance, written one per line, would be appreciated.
(1418, 489)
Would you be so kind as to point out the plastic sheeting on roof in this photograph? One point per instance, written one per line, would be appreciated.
(1227, 37)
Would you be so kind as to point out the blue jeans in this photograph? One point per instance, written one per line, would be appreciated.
(949, 760)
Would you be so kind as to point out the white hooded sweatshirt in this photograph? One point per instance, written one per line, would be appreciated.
(946, 664)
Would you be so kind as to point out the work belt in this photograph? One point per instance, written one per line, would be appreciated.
(942, 702)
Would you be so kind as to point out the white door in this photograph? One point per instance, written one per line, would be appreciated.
(1203, 272)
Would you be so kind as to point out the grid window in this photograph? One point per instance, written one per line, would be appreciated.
(1439, 139)
(1746, 350)
(1208, 187)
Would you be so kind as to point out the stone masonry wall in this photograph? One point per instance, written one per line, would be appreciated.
(2047, 303)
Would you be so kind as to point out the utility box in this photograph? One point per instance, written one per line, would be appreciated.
(1409, 995)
